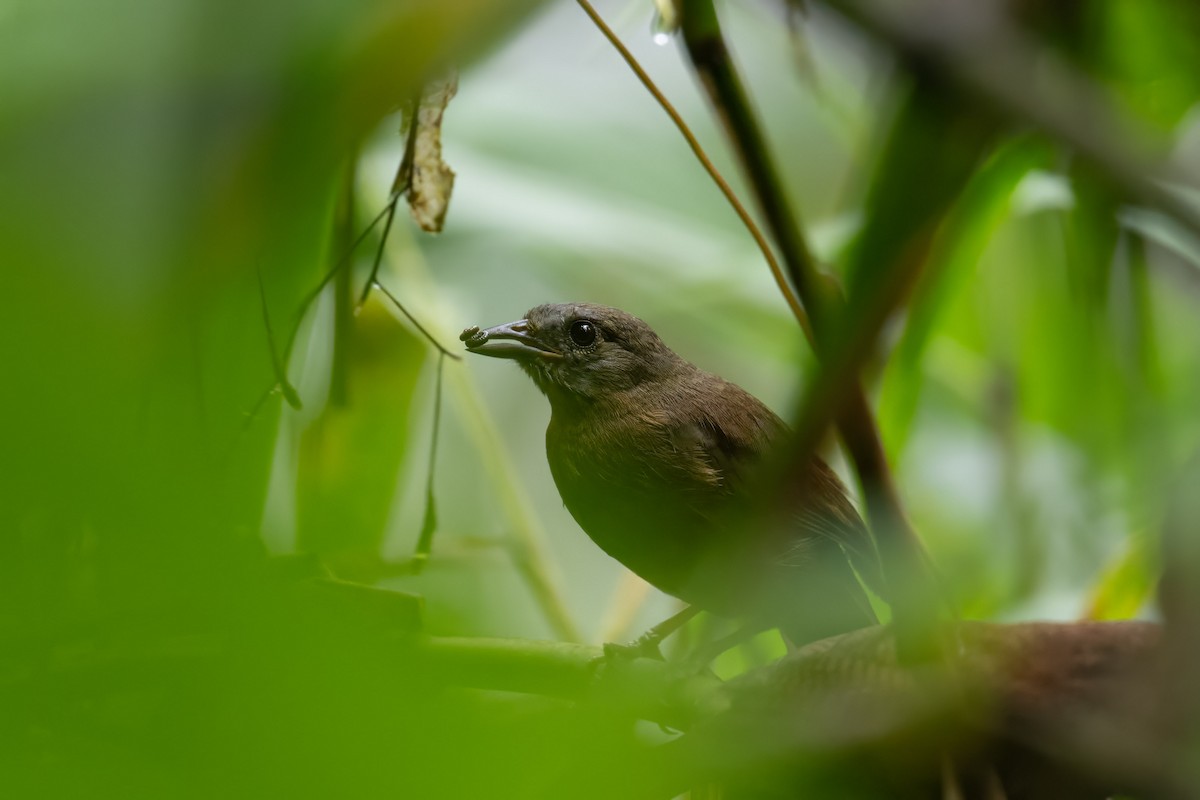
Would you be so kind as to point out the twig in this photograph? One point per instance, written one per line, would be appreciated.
(343, 318)
(372, 279)
(428, 336)
(429, 522)
(526, 536)
(711, 60)
(277, 365)
(533, 562)
(646, 688)
(305, 303)
(755, 232)
(400, 184)
(315, 292)
(913, 588)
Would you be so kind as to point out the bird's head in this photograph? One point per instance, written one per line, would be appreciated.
(578, 351)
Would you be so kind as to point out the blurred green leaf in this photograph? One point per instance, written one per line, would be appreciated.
(1147, 51)
(934, 144)
(350, 456)
(967, 231)
(156, 158)
(1151, 50)
(1126, 584)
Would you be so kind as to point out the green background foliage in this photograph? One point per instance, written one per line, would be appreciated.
(1037, 396)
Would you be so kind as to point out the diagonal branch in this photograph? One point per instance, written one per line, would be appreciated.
(841, 390)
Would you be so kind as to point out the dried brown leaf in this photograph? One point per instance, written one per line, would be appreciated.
(432, 179)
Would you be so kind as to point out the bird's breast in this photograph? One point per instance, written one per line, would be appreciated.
(621, 479)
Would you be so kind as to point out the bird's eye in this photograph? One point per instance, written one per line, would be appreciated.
(583, 333)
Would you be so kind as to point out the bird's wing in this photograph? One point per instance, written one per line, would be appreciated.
(727, 428)
(733, 436)
(826, 535)
(721, 446)
(836, 518)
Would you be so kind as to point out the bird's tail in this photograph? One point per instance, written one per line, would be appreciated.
(830, 602)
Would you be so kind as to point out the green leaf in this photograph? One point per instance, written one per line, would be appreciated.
(969, 228)
(351, 456)
(1126, 584)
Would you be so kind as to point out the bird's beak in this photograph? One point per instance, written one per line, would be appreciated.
(510, 340)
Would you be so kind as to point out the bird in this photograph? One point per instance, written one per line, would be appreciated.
(658, 462)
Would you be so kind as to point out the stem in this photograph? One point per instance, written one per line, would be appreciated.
(424, 332)
(756, 233)
(714, 66)
(278, 364)
(373, 278)
(646, 688)
(429, 523)
(401, 183)
(838, 392)
(528, 539)
(343, 323)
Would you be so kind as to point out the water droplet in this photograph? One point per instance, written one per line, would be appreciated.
(665, 22)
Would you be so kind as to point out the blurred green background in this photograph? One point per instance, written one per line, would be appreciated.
(159, 160)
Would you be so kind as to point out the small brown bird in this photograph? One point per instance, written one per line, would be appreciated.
(656, 459)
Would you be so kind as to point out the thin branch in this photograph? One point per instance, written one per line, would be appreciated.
(387, 212)
(755, 232)
(277, 365)
(913, 588)
(645, 688)
(343, 320)
(429, 522)
(428, 336)
(373, 278)
(401, 183)
(315, 292)
(533, 558)
(416, 564)
(305, 303)
(710, 58)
